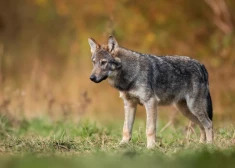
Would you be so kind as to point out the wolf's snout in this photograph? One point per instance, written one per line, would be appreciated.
(93, 78)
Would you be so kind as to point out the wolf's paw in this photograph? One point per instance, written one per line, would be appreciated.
(209, 142)
(124, 142)
(151, 145)
(202, 141)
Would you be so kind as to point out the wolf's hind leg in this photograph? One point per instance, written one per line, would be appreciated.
(130, 110)
(183, 108)
(199, 109)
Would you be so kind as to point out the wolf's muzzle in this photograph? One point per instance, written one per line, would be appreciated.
(93, 78)
(97, 80)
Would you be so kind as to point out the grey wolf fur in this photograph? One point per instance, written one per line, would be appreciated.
(151, 80)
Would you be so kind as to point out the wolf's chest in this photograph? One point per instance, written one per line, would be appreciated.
(138, 95)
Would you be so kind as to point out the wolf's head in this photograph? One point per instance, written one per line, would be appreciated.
(103, 59)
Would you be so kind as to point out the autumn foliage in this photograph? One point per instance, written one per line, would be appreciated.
(45, 58)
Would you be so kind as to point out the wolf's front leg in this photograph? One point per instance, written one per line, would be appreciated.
(151, 111)
(130, 109)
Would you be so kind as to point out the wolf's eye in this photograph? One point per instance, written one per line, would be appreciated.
(103, 62)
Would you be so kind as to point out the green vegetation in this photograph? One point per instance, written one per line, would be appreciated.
(41, 142)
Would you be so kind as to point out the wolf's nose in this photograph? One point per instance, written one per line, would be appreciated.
(92, 77)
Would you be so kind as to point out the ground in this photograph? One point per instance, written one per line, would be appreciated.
(42, 142)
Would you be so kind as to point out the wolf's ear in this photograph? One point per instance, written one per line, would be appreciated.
(93, 44)
(112, 44)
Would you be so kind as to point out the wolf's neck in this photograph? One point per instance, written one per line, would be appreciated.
(124, 79)
(121, 81)
(127, 53)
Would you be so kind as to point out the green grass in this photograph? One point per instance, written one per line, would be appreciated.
(44, 143)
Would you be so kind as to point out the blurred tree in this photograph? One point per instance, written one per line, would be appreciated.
(222, 16)
(44, 42)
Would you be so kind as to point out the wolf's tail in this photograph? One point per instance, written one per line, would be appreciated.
(208, 97)
(209, 106)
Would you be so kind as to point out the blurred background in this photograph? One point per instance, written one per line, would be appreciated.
(45, 57)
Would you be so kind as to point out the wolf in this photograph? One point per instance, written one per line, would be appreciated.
(151, 81)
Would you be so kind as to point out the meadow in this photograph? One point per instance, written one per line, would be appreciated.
(42, 142)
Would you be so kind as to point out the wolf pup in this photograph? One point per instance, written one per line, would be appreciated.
(151, 80)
